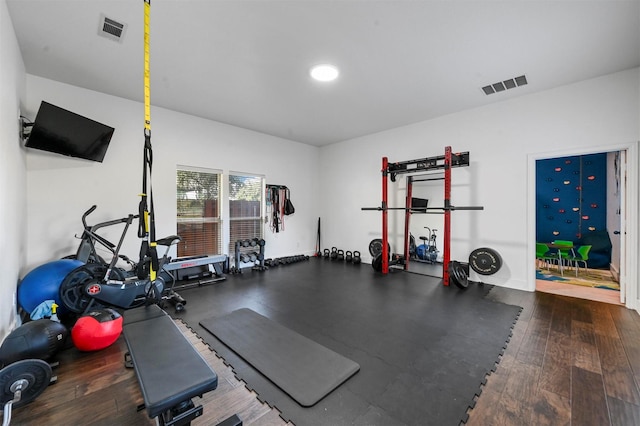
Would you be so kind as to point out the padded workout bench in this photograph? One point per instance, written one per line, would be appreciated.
(169, 369)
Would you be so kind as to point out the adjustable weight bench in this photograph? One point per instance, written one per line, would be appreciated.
(169, 369)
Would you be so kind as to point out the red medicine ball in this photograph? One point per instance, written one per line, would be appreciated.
(96, 330)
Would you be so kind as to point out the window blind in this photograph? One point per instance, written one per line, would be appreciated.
(245, 208)
(198, 212)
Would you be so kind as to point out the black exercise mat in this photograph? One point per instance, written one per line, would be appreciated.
(424, 349)
(304, 369)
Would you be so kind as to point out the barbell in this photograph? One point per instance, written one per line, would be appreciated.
(423, 209)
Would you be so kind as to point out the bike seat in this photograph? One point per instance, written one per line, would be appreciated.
(168, 241)
(423, 238)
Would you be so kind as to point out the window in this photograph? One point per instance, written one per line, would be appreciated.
(245, 208)
(198, 211)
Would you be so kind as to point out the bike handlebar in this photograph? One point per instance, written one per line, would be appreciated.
(87, 213)
(107, 223)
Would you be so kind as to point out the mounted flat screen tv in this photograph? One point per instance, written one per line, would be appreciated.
(419, 203)
(64, 132)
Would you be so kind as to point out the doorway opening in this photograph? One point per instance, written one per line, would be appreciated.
(562, 212)
(578, 212)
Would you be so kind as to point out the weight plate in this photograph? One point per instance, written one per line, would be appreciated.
(376, 263)
(375, 247)
(485, 261)
(32, 375)
(458, 275)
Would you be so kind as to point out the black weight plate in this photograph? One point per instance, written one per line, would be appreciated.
(34, 374)
(375, 247)
(485, 261)
(376, 263)
(458, 275)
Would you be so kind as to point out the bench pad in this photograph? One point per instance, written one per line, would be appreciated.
(168, 367)
(142, 314)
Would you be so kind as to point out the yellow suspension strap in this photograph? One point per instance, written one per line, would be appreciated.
(148, 264)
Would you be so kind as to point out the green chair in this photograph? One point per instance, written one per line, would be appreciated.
(544, 255)
(581, 255)
(566, 252)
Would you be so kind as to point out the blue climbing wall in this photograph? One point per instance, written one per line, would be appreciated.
(571, 196)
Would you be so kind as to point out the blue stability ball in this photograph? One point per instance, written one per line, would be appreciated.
(43, 283)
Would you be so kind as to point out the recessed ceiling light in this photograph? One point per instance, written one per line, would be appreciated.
(324, 72)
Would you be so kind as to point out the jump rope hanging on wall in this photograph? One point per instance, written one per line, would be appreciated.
(279, 205)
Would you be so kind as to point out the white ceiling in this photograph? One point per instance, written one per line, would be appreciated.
(246, 63)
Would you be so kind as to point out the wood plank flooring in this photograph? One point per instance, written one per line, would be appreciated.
(94, 388)
(569, 362)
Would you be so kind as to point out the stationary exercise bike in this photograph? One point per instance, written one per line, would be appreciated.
(427, 251)
(98, 283)
(87, 252)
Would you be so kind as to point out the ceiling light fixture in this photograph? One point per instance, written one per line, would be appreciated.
(324, 72)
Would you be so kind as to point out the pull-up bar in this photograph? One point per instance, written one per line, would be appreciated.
(443, 162)
(439, 162)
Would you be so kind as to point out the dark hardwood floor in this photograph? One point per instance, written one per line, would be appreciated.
(569, 362)
(94, 388)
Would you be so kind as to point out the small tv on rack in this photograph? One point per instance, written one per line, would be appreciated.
(64, 132)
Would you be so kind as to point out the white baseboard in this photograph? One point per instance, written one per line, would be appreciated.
(615, 273)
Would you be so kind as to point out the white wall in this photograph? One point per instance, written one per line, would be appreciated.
(592, 114)
(333, 182)
(60, 189)
(12, 172)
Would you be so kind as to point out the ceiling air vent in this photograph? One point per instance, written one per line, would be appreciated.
(111, 29)
(505, 85)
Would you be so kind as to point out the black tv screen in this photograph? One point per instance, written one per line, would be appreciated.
(64, 132)
(419, 203)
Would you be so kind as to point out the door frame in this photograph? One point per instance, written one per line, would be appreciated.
(629, 268)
